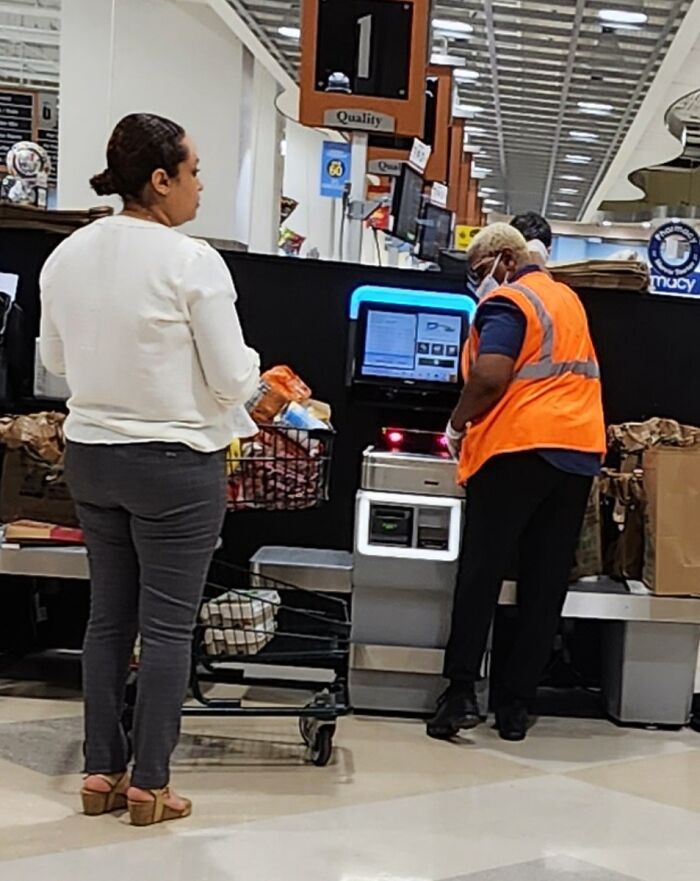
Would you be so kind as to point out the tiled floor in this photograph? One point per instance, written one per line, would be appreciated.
(578, 801)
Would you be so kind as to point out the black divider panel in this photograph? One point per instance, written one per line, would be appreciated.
(649, 353)
(295, 312)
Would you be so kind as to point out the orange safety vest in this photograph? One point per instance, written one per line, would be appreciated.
(554, 399)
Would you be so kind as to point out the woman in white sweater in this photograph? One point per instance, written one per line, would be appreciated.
(141, 321)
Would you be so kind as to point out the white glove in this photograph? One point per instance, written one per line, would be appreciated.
(454, 439)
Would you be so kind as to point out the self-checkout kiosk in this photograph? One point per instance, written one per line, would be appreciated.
(405, 354)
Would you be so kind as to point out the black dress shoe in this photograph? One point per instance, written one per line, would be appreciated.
(512, 722)
(456, 711)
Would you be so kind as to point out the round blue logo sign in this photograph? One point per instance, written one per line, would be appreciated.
(674, 250)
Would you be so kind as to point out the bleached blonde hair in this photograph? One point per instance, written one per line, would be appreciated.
(496, 238)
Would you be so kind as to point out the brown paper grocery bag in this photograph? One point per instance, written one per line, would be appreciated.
(589, 553)
(31, 489)
(672, 485)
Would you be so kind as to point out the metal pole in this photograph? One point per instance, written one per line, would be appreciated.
(353, 236)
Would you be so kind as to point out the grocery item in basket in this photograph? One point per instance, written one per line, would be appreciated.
(239, 622)
(266, 404)
(233, 456)
(240, 608)
(284, 380)
(279, 470)
(296, 416)
(320, 410)
(220, 643)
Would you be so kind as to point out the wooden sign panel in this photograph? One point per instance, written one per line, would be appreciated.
(436, 131)
(473, 215)
(465, 181)
(363, 65)
(455, 163)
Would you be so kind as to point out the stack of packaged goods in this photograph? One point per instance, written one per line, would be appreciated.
(239, 623)
(285, 466)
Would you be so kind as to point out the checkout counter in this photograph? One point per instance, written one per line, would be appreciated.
(407, 532)
(401, 588)
(401, 578)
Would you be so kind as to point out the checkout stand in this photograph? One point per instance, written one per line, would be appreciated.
(650, 643)
(651, 637)
(402, 573)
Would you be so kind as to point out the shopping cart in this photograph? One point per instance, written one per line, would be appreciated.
(256, 632)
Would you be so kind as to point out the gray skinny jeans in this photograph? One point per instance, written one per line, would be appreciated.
(152, 514)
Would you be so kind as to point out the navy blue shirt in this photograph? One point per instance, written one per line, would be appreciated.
(501, 326)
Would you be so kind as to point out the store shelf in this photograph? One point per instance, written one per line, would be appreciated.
(44, 562)
(606, 600)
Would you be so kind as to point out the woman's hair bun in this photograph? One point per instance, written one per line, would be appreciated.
(104, 184)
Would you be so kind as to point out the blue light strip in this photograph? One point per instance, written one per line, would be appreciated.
(406, 297)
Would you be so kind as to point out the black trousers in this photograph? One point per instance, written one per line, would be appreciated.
(152, 514)
(519, 508)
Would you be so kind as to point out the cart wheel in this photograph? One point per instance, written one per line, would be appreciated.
(322, 750)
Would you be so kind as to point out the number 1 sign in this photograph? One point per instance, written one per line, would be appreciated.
(363, 65)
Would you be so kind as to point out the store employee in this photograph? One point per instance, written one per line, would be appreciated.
(529, 434)
(537, 233)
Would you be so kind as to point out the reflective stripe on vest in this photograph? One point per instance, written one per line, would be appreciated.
(546, 367)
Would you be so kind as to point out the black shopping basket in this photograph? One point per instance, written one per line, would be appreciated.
(280, 469)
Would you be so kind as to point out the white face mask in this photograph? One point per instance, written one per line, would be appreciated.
(538, 252)
(489, 283)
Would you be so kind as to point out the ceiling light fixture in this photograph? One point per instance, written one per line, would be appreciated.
(465, 75)
(487, 191)
(574, 177)
(577, 159)
(563, 204)
(289, 33)
(568, 191)
(622, 17)
(595, 107)
(480, 172)
(447, 60)
(452, 27)
(583, 136)
(607, 223)
(477, 132)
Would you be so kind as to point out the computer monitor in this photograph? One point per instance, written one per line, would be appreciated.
(409, 355)
(435, 232)
(406, 205)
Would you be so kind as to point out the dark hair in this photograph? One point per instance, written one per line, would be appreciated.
(533, 226)
(140, 144)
